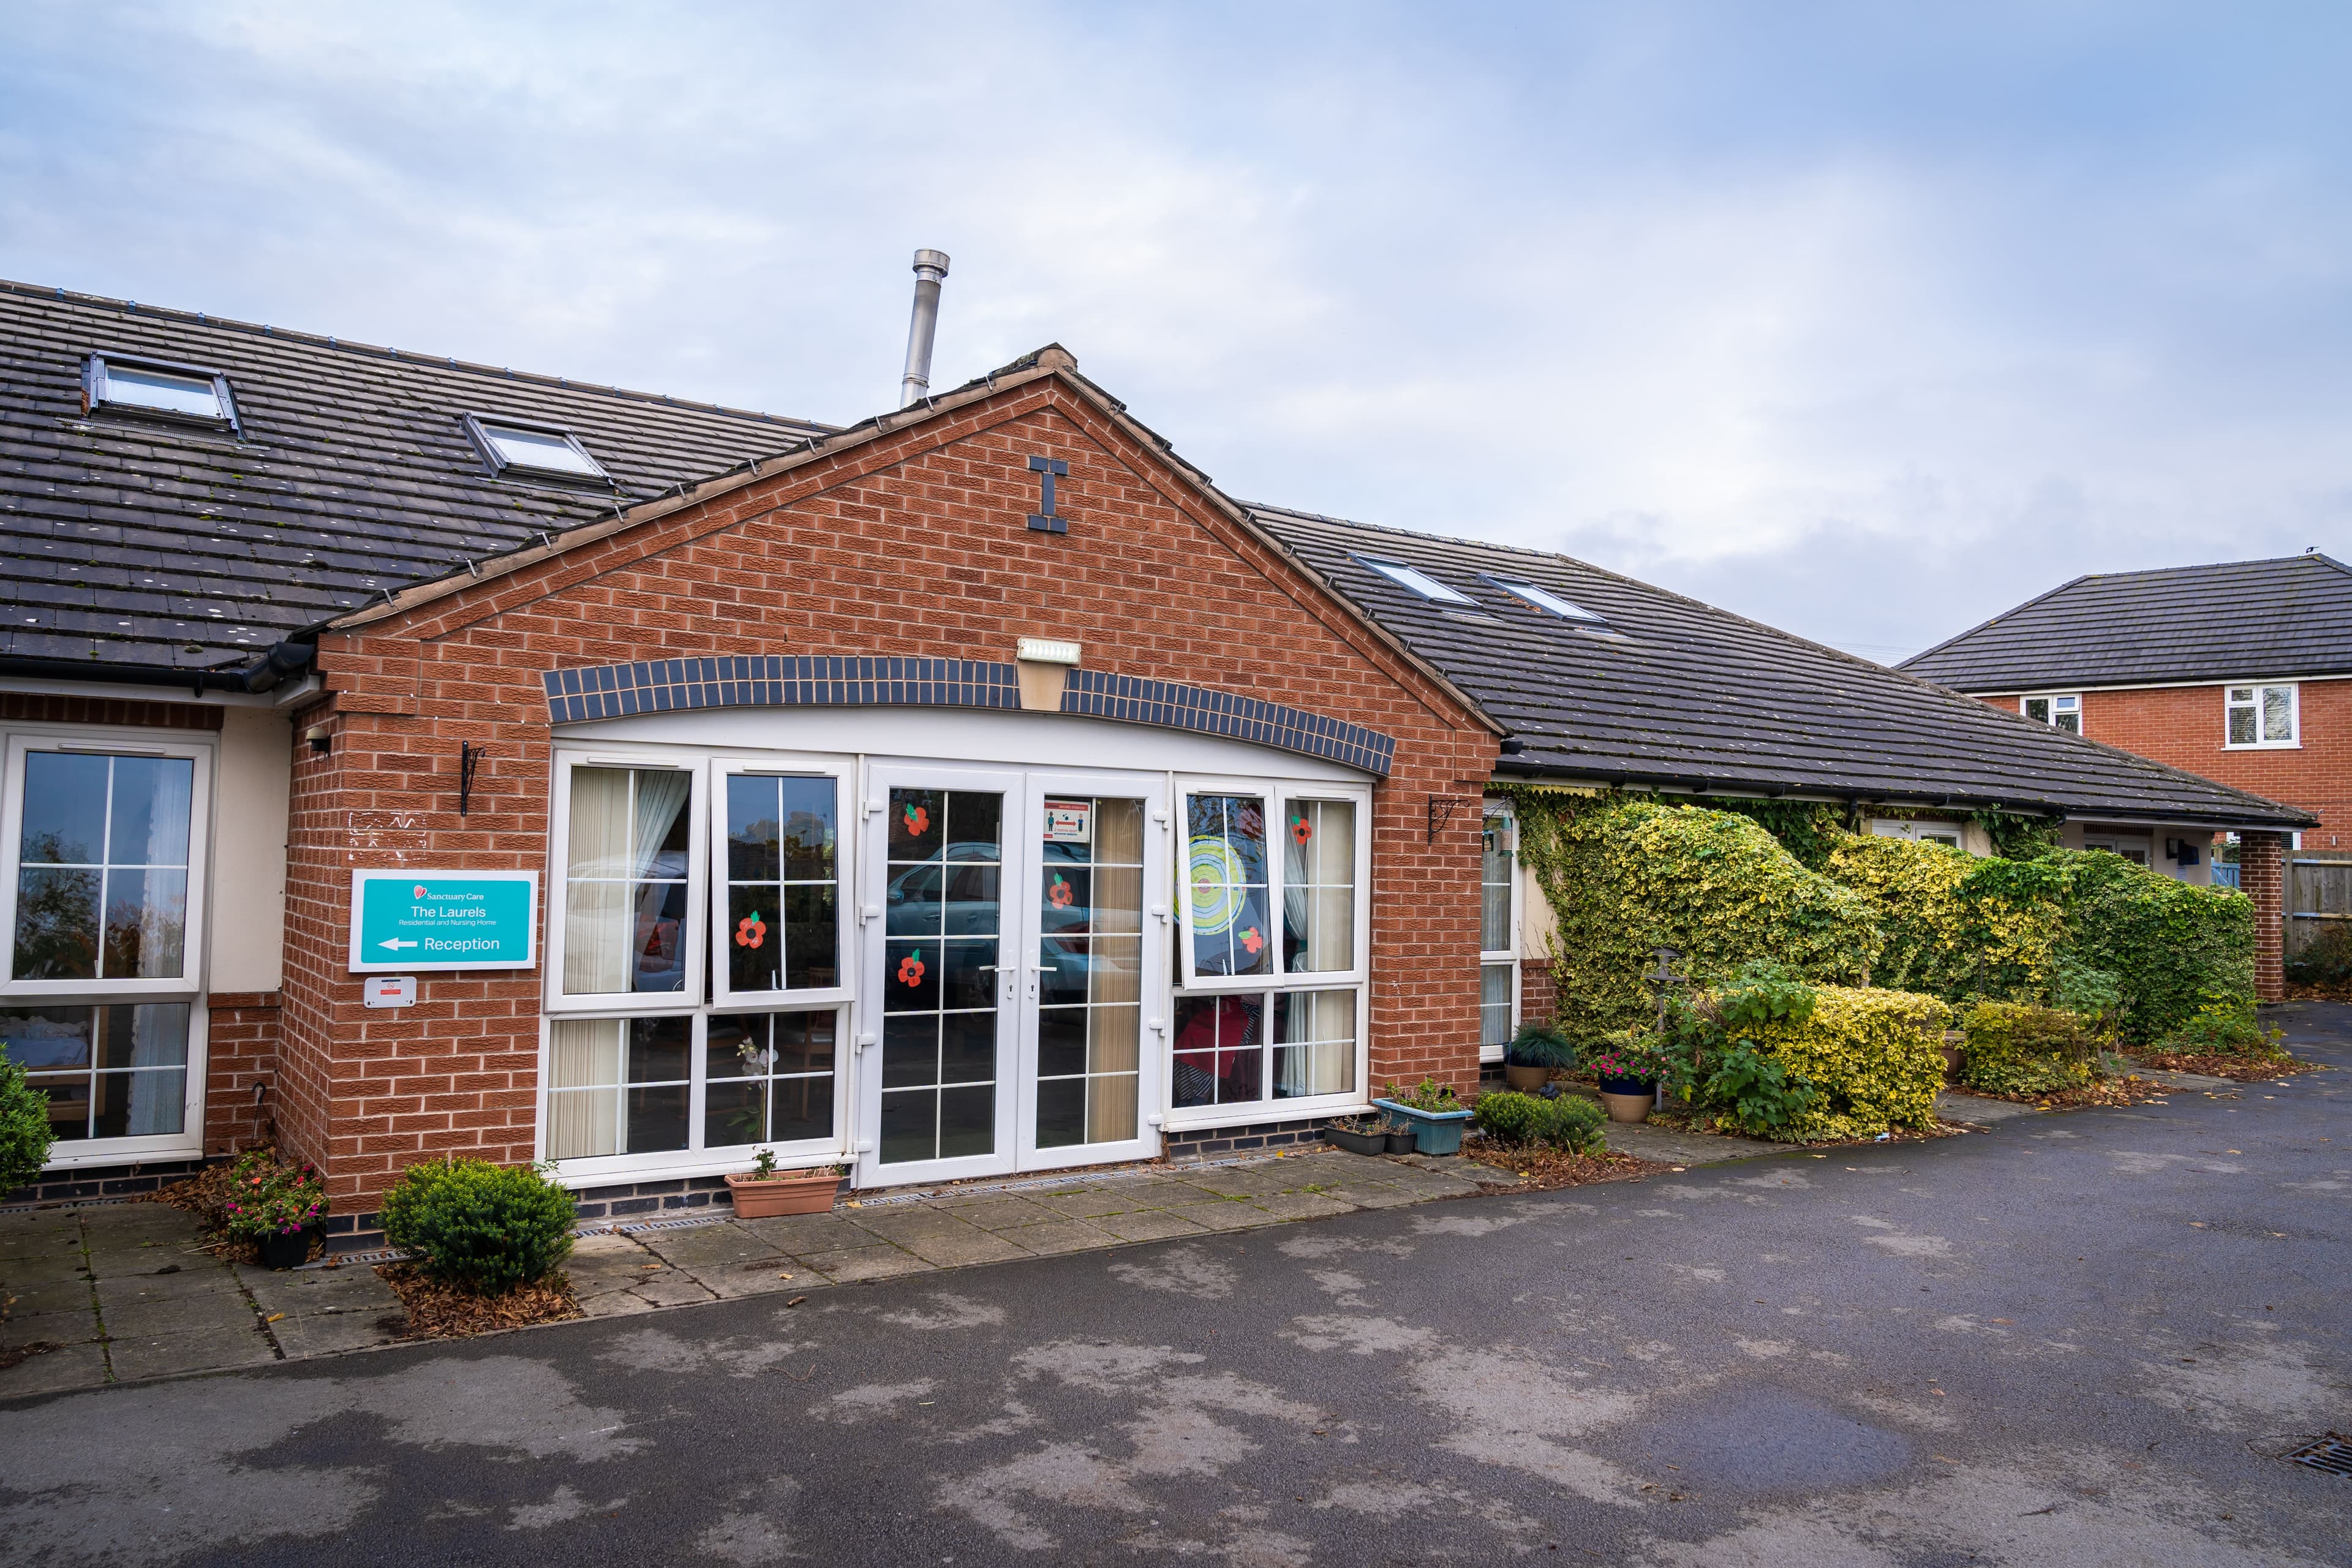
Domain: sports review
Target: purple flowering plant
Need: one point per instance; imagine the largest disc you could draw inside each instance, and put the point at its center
(269, 1198)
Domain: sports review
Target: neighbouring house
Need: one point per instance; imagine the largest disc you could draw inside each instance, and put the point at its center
(2241, 671)
(407, 756)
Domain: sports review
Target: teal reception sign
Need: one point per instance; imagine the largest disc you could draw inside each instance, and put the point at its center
(444, 919)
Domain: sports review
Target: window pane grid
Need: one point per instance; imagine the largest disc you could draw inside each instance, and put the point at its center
(626, 909)
(2261, 715)
(1225, 874)
(782, 931)
(942, 924)
(103, 858)
(1318, 887)
(109, 1070)
(1224, 1055)
(1090, 960)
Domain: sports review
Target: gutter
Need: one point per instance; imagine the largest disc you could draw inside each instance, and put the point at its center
(265, 673)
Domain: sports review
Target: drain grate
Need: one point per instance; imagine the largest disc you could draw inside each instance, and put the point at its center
(2331, 1454)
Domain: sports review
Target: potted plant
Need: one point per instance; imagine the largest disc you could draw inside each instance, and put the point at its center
(1430, 1112)
(1356, 1134)
(1627, 1065)
(1535, 1053)
(281, 1212)
(768, 1190)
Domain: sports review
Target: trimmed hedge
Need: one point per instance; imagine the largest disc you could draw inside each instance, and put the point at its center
(1874, 1058)
(488, 1228)
(2017, 1047)
(1567, 1122)
(1628, 876)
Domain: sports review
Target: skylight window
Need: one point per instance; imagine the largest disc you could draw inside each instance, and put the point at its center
(176, 392)
(1420, 583)
(533, 449)
(1545, 599)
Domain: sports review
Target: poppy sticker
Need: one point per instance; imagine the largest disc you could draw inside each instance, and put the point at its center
(910, 968)
(1251, 941)
(916, 818)
(751, 930)
(1059, 895)
(1301, 830)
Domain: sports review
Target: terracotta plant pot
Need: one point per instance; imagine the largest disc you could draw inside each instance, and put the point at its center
(756, 1199)
(1627, 1107)
(1527, 1080)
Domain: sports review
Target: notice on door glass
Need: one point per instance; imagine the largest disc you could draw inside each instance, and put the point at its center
(1069, 822)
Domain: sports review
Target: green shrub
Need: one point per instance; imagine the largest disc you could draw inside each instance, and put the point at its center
(1540, 1046)
(1428, 1095)
(1754, 1091)
(1873, 1059)
(488, 1228)
(1627, 877)
(2176, 950)
(24, 1133)
(1569, 1122)
(2225, 1032)
(2326, 959)
(2020, 1048)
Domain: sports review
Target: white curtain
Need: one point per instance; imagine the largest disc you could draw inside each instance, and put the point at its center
(661, 795)
(164, 919)
(596, 924)
(583, 1088)
(159, 1038)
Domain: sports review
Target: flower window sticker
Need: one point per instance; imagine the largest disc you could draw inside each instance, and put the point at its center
(1060, 894)
(1253, 941)
(1301, 830)
(910, 968)
(918, 819)
(751, 930)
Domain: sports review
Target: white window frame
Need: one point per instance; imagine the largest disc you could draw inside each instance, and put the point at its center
(2053, 698)
(558, 902)
(1916, 831)
(480, 426)
(1537, 596)
(696, 1159)
(132, 743)
(191, 987)
(1278, 795)
(846, 817)
(2295, 715)
(1415, 581)
(1500, 810)
(97, 395)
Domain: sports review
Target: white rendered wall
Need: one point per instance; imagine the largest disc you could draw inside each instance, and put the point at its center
(246, 923)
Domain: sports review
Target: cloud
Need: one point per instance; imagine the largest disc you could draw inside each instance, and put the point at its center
(1869, 324)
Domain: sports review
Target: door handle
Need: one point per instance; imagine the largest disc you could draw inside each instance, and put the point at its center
(865, 1041)
(870, 912)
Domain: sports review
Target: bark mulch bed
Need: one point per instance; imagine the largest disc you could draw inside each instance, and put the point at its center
(2298, 992)
(2243, 1069)
(2129, 1089)
(1541, 1169)
(437, 1310)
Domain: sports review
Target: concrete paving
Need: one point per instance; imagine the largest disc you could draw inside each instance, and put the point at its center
(2083, 1340)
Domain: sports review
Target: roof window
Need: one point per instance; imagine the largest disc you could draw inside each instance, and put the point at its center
(1545, 599)
(150, 386)
(532, 450)
(1420, 583)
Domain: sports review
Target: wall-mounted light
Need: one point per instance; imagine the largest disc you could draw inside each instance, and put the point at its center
(1043, 665)
(321, 739)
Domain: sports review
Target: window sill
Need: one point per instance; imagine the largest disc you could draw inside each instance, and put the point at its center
(607, 1170)
(77, 1154)
(2262, 745)
(1193, 1118)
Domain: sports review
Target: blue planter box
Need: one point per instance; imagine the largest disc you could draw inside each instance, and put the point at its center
(1433, 1131)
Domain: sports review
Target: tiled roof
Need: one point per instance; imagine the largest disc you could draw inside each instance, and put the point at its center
(1669, 690)
(2242, 619)
(130, 542)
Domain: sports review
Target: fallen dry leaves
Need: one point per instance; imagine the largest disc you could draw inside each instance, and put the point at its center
(2240, 1069)
(439, 1310)
(1546, 1168)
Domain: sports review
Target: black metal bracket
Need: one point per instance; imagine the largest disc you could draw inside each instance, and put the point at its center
(1441, 813)
(1045, 520)
(468, 759)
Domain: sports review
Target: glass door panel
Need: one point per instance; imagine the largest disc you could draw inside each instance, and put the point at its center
(1090, 971)
(941, 1018)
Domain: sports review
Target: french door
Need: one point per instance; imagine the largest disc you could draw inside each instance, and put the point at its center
(1014, 947)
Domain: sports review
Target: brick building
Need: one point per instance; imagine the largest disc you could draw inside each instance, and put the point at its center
(2241, 672)
(407, 756)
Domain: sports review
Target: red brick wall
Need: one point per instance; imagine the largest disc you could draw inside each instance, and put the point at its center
(2262, 877)
(241, 1051)
(2182, 725)
(1538, 992)
(912, 544)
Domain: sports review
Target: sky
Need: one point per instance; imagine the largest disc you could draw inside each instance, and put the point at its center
(1865, 320)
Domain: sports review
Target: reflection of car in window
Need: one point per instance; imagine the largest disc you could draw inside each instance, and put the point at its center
(957, 898)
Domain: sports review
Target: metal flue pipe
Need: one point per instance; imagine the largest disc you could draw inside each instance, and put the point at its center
(930, 269)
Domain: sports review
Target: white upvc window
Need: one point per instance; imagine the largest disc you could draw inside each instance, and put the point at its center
(1274, 932)
(2257, 715)
(101, 899)
(697, 962)
(1498, 932)
(2059, 710)
(1950, 835)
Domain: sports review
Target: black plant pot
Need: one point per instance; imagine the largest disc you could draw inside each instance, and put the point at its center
(1628, 1085)
(1400, 1139)
(1356, 1142)
(286, 1248)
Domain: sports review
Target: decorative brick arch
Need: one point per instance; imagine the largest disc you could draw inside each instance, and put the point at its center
(788, 681)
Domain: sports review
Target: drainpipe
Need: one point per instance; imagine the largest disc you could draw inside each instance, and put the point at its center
(930, 271)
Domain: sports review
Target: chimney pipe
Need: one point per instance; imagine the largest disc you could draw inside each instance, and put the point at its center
(930, 268)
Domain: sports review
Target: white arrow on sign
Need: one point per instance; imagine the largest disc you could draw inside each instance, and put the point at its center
(394, 943)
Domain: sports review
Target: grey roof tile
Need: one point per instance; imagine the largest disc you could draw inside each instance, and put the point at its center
(2187, 624)
(1674, 691)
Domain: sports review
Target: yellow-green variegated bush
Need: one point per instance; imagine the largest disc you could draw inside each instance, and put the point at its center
(1875, 1058)
(1628, 876)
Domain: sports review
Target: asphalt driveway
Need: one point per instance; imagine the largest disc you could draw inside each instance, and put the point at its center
(2077, 1341)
